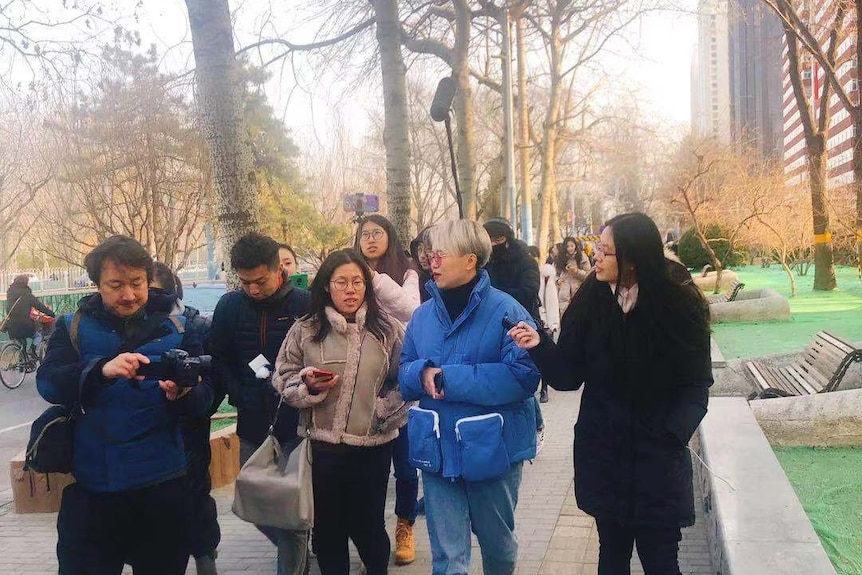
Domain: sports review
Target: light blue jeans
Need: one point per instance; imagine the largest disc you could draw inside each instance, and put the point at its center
(487, 508)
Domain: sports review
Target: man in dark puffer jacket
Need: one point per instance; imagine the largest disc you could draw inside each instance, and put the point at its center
(247, 323)
(129, 500)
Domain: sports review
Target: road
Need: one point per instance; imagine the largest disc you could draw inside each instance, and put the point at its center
(18, 407)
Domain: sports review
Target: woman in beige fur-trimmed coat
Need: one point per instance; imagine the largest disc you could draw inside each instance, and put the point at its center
(339, 366)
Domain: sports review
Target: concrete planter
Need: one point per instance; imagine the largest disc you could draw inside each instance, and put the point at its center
(757, 305)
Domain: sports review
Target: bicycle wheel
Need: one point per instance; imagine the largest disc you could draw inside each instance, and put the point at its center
(13, 365)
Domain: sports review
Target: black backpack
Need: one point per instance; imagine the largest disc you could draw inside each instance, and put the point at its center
(52, 434)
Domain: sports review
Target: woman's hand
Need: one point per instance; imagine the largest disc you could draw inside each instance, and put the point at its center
(173, 391)
(428, 382)
(319, 383)
(525, 336)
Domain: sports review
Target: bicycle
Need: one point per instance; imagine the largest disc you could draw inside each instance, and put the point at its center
(16, 361)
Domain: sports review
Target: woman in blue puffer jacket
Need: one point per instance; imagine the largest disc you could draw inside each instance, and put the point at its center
(474, 424)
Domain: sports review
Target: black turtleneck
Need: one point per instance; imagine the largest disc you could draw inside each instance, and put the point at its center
(455, 299)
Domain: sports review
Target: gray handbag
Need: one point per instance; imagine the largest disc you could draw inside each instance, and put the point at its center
(274, 488)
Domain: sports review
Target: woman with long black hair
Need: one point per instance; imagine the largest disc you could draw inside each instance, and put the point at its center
(639, 344)
(339, 365)
(573, 267)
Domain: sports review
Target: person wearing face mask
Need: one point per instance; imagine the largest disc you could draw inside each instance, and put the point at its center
(475, 422)
(339, 366)
(637, 339)
(396, 290)
(129, 501)
(512, 269)
(249, 324)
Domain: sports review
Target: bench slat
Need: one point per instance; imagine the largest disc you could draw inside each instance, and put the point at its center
(785, 382)
(809, 387)
(837, 342)
(810, 375)
(754, 368)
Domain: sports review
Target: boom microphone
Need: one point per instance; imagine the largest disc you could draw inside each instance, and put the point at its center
(443, 99)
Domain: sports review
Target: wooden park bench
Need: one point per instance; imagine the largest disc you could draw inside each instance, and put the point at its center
(819, 369)
(732, 291)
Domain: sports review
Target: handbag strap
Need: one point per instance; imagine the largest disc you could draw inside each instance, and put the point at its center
(275, 417)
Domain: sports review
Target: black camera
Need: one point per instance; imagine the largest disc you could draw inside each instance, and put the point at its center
(177, 366)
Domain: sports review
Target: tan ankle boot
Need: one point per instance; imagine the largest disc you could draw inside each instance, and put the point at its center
(405, 546)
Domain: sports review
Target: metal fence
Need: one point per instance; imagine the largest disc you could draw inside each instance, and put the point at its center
(49, 280)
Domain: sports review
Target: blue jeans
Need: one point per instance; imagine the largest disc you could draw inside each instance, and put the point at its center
(406, 478)
(292, 546)
(487, 508)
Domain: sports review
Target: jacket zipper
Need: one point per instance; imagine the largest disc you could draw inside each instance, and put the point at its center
(263, 331)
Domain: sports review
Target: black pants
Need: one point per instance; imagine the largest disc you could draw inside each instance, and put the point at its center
(99, 532)
(204, 532)
(657, 548)
(349, 502)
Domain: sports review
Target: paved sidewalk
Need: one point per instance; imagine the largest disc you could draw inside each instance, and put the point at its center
(555, 537)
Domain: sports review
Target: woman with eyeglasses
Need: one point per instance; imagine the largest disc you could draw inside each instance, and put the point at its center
(638, 342)
(475, 422)
(396, 283)
(339, 365)
(396, 287)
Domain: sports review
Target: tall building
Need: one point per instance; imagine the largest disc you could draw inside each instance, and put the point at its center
(839, 144)
(710, 73)
(755, 43)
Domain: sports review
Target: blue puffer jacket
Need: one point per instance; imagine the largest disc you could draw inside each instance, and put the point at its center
(129, 434)
(484, 372)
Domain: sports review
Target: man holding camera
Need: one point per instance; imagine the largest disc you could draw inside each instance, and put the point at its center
(128, 502)
(247, 330)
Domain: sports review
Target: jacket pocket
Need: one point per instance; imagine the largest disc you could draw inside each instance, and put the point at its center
(482, 447)
(423, 428)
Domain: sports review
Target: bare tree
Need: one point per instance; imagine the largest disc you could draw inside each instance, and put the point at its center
(221, 119)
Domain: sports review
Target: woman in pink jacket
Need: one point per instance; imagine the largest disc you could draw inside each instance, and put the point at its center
(396, 289)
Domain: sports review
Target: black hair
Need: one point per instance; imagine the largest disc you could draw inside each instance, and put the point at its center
(123, 251)
(254, 250)
(499, 228)
(639, 252)
(321, 298)
(287, 247)
(168, 281)
(21, 280)
(394, 262)
(553, 260)
(533, 251)
(563, 254)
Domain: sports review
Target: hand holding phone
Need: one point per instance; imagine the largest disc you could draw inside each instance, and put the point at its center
(319, 380)
(508, 322)
(321, 373)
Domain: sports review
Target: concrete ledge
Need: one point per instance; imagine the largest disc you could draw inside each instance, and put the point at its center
(758, 526)
(706, 283)
(821, 420)
(41, 493)
(757, 305)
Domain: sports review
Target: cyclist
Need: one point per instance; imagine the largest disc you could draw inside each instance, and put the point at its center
(19, 301)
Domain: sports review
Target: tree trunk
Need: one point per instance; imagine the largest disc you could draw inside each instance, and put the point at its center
(824, 270)
(857, 177)
(524, 137)
(549, 143)
(395, 123)
(464, 106)
(219, 102)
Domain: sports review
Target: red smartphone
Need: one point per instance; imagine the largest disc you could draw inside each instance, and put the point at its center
(321, 373)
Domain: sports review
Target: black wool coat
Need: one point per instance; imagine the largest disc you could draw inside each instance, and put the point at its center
(646, 387)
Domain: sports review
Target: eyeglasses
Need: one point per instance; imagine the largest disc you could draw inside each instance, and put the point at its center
(600, 250)
(436, 257)
(372, 234)
(341, 284)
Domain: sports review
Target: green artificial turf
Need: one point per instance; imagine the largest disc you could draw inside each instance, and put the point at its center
(218, 424)
(829, 486)
(839, 312)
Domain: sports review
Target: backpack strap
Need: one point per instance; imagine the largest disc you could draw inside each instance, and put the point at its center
(181, 329)
(73, 330)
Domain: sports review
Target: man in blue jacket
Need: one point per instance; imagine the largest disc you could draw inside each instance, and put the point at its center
(248, 323)
(475, 424)
(128, 502)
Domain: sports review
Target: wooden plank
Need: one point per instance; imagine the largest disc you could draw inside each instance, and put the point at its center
(754, 368)
(801, 381)
(813, 372)
(791, 381)
(812, 376)
(838, 342)
(783, 382)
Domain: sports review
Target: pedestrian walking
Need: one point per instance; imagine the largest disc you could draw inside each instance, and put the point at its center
(472, 383)
(396, 289)
(339, 366)
(638, 342)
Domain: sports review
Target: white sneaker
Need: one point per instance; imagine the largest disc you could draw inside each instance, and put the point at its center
(540, 440)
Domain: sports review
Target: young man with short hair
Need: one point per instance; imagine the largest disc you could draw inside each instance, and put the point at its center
(248, 323)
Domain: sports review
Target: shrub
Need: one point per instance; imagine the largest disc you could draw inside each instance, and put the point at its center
(693, 254)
